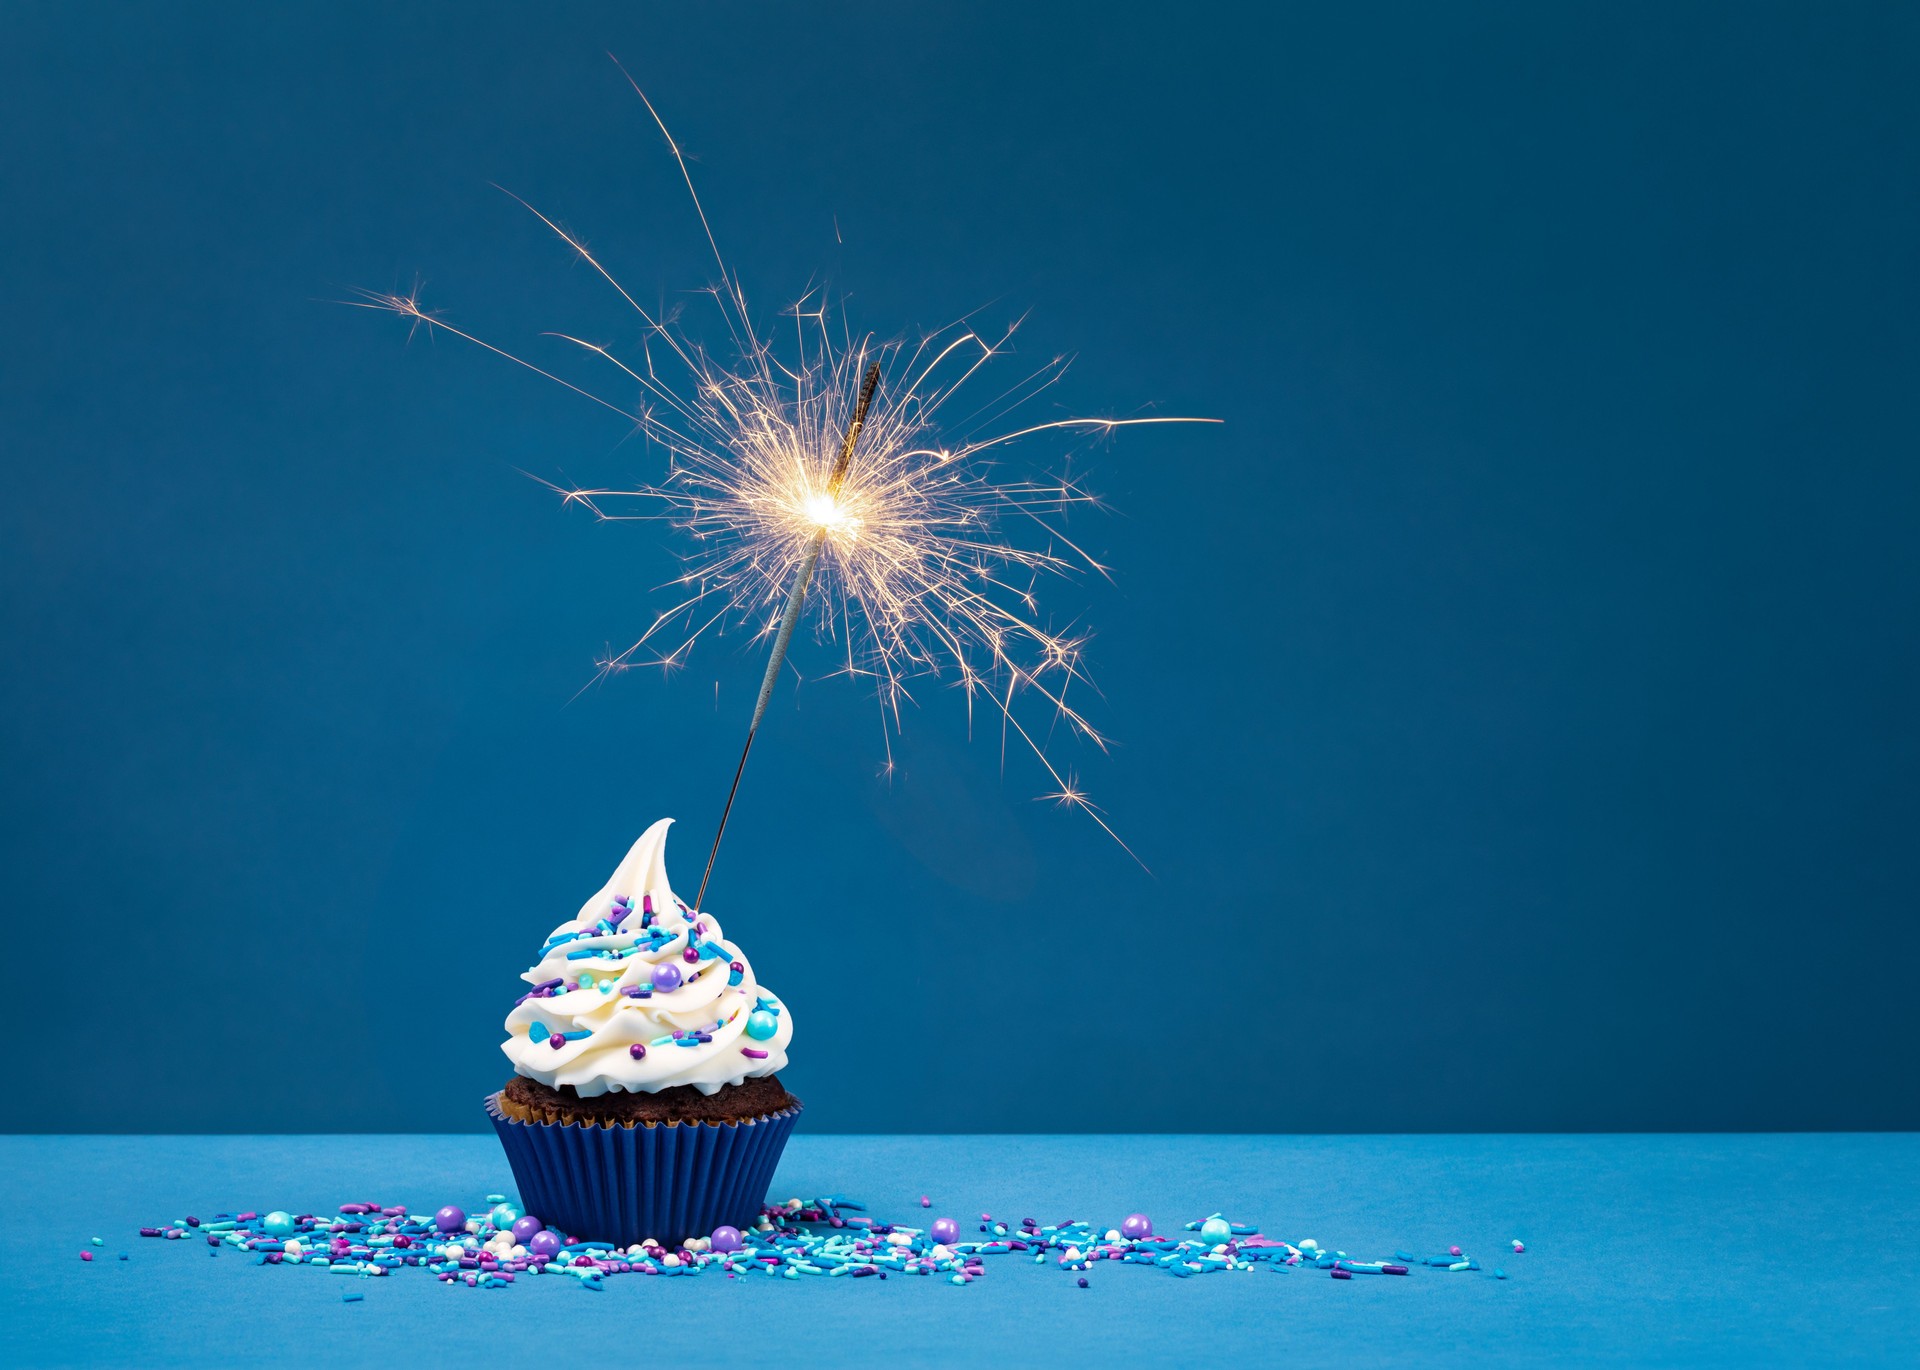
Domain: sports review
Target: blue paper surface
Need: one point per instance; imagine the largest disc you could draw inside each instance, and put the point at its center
(1642, 1250)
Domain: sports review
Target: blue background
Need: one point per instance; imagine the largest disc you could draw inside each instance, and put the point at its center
(1514, 699)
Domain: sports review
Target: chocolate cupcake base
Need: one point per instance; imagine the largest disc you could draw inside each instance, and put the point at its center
(601, 1169)
(529, 1101)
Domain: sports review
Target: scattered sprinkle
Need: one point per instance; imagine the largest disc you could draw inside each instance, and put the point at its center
(831, 1236)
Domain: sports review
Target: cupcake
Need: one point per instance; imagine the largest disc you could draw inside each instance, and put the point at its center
(645, 1100)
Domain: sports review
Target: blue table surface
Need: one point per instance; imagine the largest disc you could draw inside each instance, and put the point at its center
(1642, 1250)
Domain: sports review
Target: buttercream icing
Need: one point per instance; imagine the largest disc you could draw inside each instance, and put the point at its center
(639, 992)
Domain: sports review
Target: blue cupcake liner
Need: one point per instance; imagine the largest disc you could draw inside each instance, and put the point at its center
(625, 1184)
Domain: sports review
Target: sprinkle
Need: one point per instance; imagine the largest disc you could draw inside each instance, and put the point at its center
(754, 1052)
(824, 1237)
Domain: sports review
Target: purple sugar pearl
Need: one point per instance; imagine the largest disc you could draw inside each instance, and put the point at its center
(525, 1228)
(545, 1245)
(450, 1219)
(946, 1231)
(637, 1051)
(1137, 1227)
(666, 977)
(726, 1239)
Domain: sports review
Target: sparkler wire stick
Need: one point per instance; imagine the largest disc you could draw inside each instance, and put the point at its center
(796, 598)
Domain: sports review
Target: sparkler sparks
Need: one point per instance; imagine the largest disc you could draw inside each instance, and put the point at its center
(927, 556)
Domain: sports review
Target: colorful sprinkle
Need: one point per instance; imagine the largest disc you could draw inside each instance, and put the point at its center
(830, 1236)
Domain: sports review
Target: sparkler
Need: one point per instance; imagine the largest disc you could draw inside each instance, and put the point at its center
(915, 548)
(795, 598)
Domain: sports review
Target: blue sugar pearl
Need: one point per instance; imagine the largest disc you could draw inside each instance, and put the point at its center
(1215, 1231)
(761, 1025)
(278, 1224)
(503, 1216)
(537, 1033)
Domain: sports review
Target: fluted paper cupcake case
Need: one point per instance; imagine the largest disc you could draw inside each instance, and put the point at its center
(626, 1184)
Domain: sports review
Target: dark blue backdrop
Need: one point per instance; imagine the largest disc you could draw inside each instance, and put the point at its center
(1514, 699)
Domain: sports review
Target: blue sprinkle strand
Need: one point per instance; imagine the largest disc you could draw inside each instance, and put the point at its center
(827, 1237)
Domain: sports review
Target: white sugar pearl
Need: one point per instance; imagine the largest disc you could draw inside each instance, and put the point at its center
(672, 1262)
(1113, 1234)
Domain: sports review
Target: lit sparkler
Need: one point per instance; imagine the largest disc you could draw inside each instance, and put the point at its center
(926, 557)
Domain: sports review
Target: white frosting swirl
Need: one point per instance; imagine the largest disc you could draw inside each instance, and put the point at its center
(595, 990)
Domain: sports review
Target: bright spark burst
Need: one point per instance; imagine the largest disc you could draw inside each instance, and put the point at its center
(932, 556)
